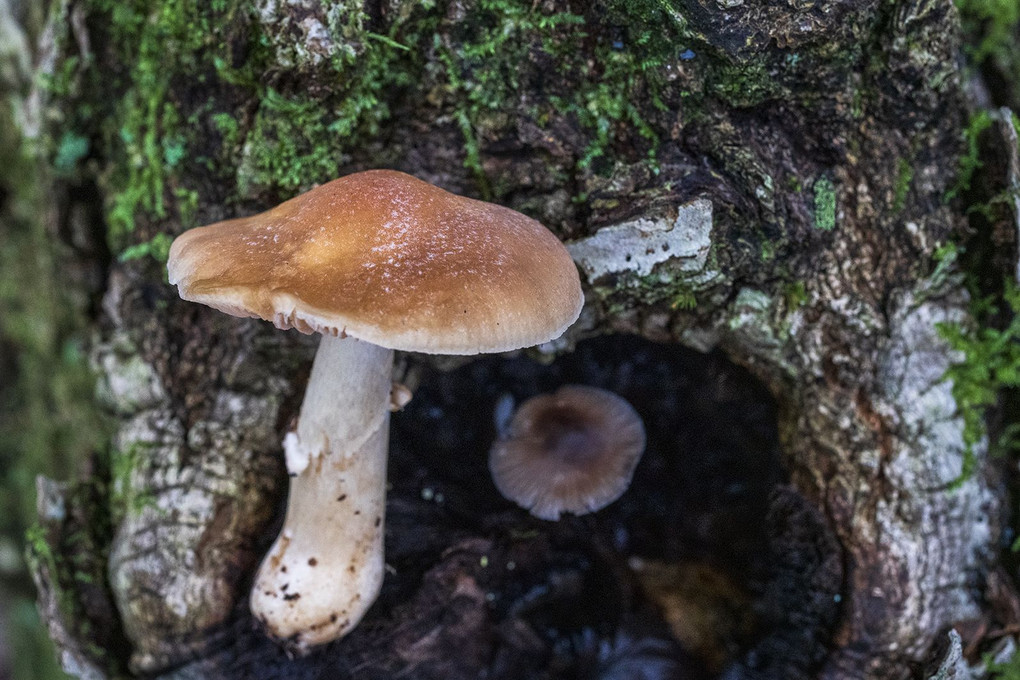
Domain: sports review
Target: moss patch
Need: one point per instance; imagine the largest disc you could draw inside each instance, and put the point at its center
(592, 66)
(743, 85)
(991, 25)
(991, 364)
(69, 549)
(182, 70)
(48, 423)
(825, 204)
(904, 178)
(970, 160)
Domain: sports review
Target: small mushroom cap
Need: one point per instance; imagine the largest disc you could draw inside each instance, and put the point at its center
(390, 259)
(571, 451)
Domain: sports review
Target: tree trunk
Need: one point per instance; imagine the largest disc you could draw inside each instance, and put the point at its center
(771, 180)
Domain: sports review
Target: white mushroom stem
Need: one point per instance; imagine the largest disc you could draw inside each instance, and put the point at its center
(326, 566)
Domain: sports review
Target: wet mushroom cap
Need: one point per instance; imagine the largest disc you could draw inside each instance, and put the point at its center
(389, 259)
(571, 451)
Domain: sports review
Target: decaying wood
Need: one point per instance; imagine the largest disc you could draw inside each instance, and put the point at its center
(859, 548)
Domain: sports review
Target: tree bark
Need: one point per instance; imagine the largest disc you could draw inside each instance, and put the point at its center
(788, 163)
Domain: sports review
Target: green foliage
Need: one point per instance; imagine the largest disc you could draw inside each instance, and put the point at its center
(994, 22)
(991, 363)
(158, 248)
(1006, 670)
(970, 161)
(825, 204)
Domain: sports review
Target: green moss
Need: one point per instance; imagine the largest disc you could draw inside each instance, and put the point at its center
(825, 204)
(987, 377)
(683, 298)
(481, 67)
(152, 131)
(181, 77)
(158, 248)
(228, 127)
(72, 550)
(904, 178)
(43, 558)
(589, 76)
(993, 24)
(795, 295)
(124, 498)
(1006, 670)
(662, 287)
(970, 162)
(297, 139)
(130, 113)
(145, 120)
(990, 363)
(71, 149)
(631, 70)
(285, 148)
(743, 84)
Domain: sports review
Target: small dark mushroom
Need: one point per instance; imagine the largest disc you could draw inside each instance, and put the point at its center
(571, 451)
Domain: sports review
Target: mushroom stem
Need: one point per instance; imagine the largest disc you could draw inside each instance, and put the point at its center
(326, 566)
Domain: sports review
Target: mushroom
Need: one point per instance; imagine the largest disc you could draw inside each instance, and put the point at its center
(571, 451)
(374, 261)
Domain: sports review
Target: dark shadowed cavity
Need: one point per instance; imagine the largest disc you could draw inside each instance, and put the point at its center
(709, 566)
(701, 489)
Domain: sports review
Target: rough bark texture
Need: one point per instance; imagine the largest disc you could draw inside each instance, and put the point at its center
(791, 159)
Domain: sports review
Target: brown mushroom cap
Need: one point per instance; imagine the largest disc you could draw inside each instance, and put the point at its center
(390, 259)
(571, 451)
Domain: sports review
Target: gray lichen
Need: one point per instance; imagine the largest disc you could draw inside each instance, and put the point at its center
(640, 244)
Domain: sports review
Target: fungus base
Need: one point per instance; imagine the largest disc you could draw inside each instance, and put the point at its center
(326, 566)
